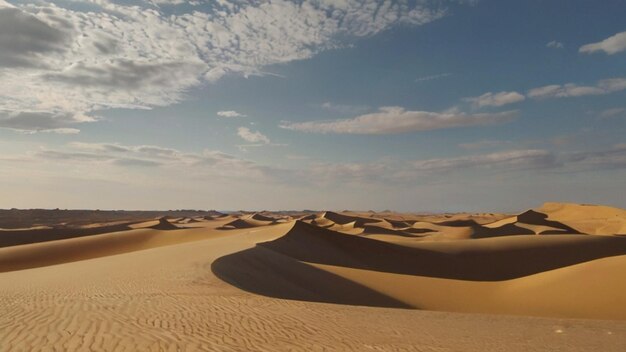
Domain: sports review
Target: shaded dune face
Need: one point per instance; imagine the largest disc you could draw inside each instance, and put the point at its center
(265, 272)
(537, 218)
(345, 219)
(249, 221)
(467, 260)
(261, 217)
(237, 224)
(164, 224)
(550, 219)
(530, 222)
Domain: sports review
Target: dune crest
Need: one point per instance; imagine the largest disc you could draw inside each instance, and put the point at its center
(587, 218)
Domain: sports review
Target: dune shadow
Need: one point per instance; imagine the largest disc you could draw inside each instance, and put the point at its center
(537, 218)
(479, 231)
(412, 233)
(281, 269)
(262, 271)
(165, 225)
(343, 219)
(492, 259)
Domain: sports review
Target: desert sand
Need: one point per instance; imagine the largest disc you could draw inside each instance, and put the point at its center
(548, 279)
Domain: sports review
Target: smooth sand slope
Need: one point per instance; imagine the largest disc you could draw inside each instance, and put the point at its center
(273, 286)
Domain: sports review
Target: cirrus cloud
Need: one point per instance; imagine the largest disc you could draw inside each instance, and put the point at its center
(569, 90)
(495, 99)
(395, 119)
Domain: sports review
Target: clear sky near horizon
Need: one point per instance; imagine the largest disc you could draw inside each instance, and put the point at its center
(406, 105)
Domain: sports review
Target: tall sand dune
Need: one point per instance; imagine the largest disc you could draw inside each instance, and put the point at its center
(464, 260)
(464, 272)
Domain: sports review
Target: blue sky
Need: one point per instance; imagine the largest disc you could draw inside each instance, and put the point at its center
(369, 104)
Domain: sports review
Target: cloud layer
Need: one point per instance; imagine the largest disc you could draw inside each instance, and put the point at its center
(390, 120)
(496, 99)
(569, 90)
(62, 59)
(127, 157)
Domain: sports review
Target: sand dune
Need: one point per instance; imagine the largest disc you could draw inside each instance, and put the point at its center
(215, 216)
(387, 268)
(464, 260)
(249, 221)
(261, 217)
(26, 236)
(260, 281)
(165, 224)
(345, 219)
(101, 245)
(556, 293)
(166, 298)
(590, 219)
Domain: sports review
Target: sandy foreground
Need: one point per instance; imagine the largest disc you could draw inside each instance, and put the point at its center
(551, 279)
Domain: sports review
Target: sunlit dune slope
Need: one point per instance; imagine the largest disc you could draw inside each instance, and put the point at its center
(69, 250)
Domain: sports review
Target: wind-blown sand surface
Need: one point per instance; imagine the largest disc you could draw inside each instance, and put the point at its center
(547, 279)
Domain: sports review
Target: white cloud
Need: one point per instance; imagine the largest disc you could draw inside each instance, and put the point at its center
(611, 45)
(605, 86)
(230, 113)
(496, 99)
(252, 137)
(389, 120)
(555, 45)
(65, 61)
